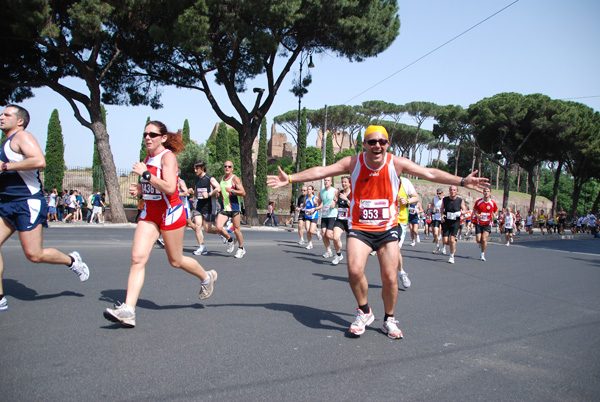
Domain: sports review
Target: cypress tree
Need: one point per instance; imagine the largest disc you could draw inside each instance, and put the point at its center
(261, 168)
(186, 132)
(143, 151)
(302, 141)
(97, 173)
(222, 144)
(329, 154)
(359, 145)
(55, 154)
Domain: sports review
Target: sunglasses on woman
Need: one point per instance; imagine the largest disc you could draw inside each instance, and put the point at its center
(152, 135)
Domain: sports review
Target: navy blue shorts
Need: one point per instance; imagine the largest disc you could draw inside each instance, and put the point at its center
(25, 215)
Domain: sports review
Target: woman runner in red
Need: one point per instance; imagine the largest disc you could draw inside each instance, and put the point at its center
(163, 214)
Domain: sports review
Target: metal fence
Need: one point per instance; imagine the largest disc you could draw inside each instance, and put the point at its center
(82, 179)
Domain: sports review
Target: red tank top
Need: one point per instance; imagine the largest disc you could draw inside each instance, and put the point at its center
(374, 205)
(153, 197)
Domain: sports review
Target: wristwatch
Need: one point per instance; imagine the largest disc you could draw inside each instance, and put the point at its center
(146, 175)
(462, 182)
(4, 167)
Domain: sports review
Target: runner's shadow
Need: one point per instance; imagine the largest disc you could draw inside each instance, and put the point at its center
(22, 292)
(114, 296)
(326, 277)
(307, 316)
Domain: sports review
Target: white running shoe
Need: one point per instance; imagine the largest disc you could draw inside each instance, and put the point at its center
(241, 252)
(373, 252)
(361, 320)
(231, 245)
(336, 260)
(160, 242)
(482, 257)
(328, 254)
(418, 239)
(207, 290)
(451, 259)
(79, 267)
(507, 244)
(223, 239)
(201, 250)
(437, 250)
(319, 235)
(404, 279)
(390, 328)
(301, 242)
(3, 304)
(444, 250)
(122, 314)
(413, 244)
(309, 246)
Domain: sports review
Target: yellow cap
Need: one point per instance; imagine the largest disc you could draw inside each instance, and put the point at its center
(376, 129)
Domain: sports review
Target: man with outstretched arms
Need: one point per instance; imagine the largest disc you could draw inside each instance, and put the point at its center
(373, 217)
(328, 201)
(207, 188)
(484, 210)
(23, 207)
(452, 208)
(231, 191)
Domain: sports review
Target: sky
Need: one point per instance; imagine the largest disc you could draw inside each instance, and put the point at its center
(448, 52)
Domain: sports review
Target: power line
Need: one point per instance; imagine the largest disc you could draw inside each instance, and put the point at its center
(434, 50)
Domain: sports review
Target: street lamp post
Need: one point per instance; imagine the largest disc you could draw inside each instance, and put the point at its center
(300, 92)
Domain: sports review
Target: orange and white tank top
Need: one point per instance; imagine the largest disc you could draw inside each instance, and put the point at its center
(153, 197)
(374, 205)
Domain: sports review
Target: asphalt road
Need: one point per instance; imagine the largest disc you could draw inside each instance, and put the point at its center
(522, 326)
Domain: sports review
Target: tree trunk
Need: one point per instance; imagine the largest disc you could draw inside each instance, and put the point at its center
(247, 136)
(506, 168)
(498, 177)
(530, 181)
(474, 160)
(456, 159)
(577, 186)
(117, 211)
(527, 183)
(555, 188)
(518, 179)
(537, 178)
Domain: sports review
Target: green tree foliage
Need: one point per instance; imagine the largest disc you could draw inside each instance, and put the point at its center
(222, 145)
(262, 194)
(55, 154)
(143, 150)
(359, 143)
(186, 159)
(343, 154)
(314, 157)
(198, 43)
(302, 142)
(233, 139)
(285, 163)
(329, 154)
(420, 111)
(45, 42)
(186, 132)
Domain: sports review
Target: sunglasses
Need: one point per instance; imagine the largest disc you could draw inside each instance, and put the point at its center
(152, 135)
(227, 166)
(381, 141)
